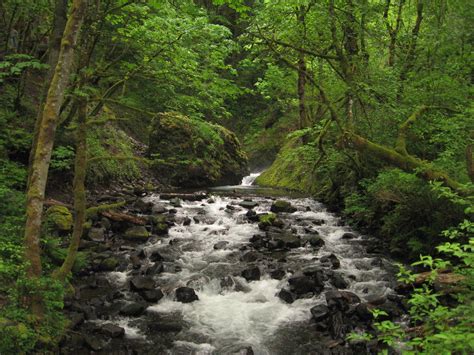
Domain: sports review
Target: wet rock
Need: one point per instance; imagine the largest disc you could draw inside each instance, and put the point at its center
(250, 256)
(221, 245)
(165, 327)
(160, 224)
(248, 204)
(94, 343)
(186, 295)
(331, 260)
(341, 300)
(133, 309)
(175, 202)
(286, 296)
(186, 221)
(156, 256)
(303, 284)
(320, 312)
(143, 207)
(349, 235)
(252, 216)
(282, 206)
(109, 264)
(96, 234)
(319, 222)
(363, 312)
(159, 209)
(204, 219)
(112, 330)
(316, 242)
(258, 241)
(227, 282)
(251, 274)
(337, 280)
(278, 274)
(154, 269)
(137, 233)
(152, 295)
(75, 320)
(142, 283)
(338, 326)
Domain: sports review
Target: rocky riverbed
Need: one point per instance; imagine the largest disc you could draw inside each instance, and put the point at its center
(238, 273)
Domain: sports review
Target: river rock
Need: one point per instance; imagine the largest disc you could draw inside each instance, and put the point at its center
(154, 269)
(175, 202)
(341, 300)
(302, 284)
(133, 309)
(137, 233)
(186, 295)
(282, 206)
(331, 260)
(221, 245)
(251, 256)
(278, 274)
(142, 206)
(319, 312)
(109, 264)
(349, 235)
(316, 242)
(337, 280)
(94, 343)
(159, 209)
(286, 296)
(155, 256)
(112, 330)
(142, 283)
(252, 216)
(251, 274)
(152, 295)
(96, 234)
(248, 204)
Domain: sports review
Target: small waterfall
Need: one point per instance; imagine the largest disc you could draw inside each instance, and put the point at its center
(249, 179)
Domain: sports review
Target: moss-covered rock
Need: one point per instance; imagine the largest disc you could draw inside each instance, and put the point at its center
(292, 169)
(59, 218)
(137, 233)
(160, 225)
(194, 153)
(282, 206)
(109, 264)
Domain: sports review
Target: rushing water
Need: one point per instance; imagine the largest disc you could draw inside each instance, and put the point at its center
(250, 179)
(231, 313)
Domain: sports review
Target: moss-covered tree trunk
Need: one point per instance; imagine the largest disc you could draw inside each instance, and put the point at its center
(59, 24)
(80, 168)
(45, 142)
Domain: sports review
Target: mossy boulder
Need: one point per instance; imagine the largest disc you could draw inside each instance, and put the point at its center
(59, 219)
(137, 233)
(282, 206)
(193, 153)
(160, 225)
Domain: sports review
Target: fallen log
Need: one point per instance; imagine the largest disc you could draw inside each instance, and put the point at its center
(124, 217)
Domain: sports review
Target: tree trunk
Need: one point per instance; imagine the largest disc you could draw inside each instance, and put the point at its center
(410, 57)
(301, 91)
(54, 46)
(45, 142)
(80, 168)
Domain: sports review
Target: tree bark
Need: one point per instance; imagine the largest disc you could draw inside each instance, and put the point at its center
(45, 142)
(393, 31)
(80, 169)
(54, 47)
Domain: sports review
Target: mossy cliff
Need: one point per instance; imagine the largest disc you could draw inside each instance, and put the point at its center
(188, 152)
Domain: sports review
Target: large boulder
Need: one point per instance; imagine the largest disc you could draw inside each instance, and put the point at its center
(59, 218)
(195, 153)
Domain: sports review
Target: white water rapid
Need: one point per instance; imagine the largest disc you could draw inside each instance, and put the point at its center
(234, 314)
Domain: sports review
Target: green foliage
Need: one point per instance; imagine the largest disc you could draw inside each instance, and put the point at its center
(14, 65)
(443, 325)
(62, 159)
(103, 146)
